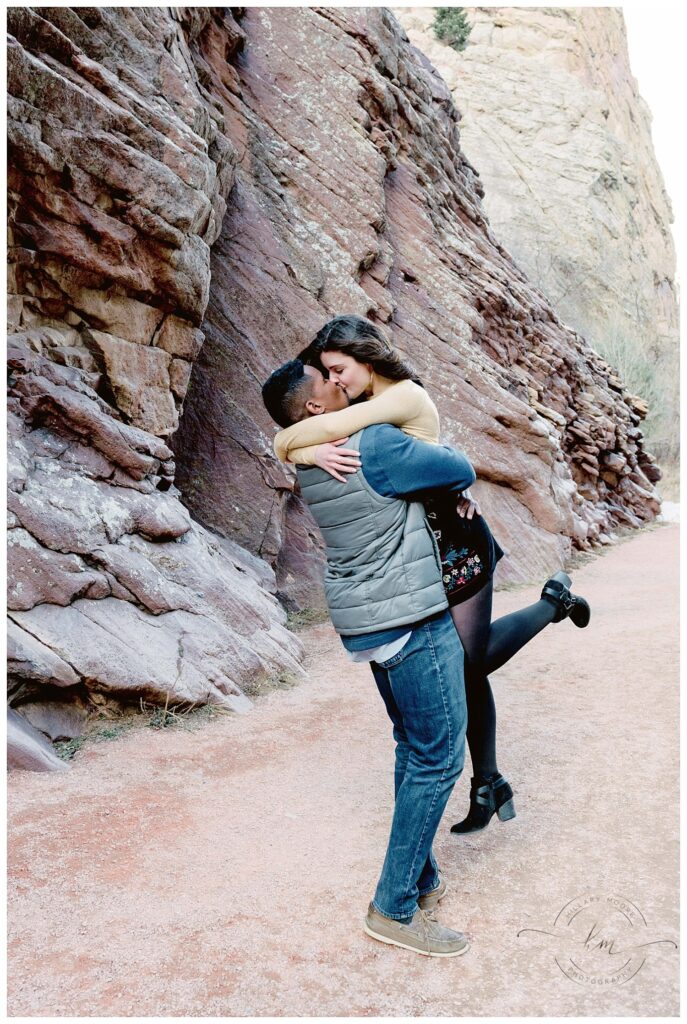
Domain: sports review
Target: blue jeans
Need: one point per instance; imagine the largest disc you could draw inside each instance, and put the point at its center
(423, 688)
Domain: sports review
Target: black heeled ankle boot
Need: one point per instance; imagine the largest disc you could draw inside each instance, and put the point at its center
(487, 797)
(557, 591)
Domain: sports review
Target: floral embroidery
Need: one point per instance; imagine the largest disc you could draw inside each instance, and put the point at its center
(459, 565)
(458, 571)
(451, 556)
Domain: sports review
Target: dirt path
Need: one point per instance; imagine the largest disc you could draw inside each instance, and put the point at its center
(226, 872)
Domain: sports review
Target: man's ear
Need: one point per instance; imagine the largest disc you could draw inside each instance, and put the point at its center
(313, 408)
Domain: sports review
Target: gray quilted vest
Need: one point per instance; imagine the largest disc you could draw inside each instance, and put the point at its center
(383, 566)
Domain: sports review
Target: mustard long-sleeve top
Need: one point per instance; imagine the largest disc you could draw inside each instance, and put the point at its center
(402, 403)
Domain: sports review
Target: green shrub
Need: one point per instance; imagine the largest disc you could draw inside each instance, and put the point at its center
(451, 26)
(67, 748)
(306, 617)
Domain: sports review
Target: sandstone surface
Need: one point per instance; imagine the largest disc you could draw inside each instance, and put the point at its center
(553, 120)
(359, 198)
(117, 184)
(28, 748)
(188, 204)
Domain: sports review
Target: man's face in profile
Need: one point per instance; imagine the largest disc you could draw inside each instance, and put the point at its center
(326, 395)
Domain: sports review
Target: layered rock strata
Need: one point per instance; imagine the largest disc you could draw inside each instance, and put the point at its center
(181, 173)
(553, 119)
(352, 194)
(118, 174)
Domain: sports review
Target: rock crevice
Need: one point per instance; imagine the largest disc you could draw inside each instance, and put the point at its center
(119, 172)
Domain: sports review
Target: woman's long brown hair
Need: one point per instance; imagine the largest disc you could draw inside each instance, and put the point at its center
(359, 338)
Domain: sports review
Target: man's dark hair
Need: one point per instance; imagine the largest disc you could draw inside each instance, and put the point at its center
(286, 391)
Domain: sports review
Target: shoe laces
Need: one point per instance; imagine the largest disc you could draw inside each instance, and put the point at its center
(428, 919)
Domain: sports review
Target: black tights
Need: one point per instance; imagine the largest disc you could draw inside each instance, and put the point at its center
(487, 646)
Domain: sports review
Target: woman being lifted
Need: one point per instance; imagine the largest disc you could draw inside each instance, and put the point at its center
(354, 353)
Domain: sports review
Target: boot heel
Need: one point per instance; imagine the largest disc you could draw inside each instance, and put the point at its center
(486, 800)
(506, 811)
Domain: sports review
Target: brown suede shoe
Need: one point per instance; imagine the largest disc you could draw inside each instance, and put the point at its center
(423, 934)
(430, 899)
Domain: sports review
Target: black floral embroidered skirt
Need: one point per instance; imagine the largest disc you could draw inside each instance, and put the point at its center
(469, 551)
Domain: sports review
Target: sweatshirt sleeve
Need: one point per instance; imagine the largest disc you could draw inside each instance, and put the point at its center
(397, 465)
(302, 456)
(397, 405)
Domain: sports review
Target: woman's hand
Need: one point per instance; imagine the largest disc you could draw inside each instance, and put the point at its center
(337, 460)
(467, 507)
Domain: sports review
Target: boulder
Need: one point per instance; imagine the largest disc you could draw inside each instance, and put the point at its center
(28, 748)
(55, 719)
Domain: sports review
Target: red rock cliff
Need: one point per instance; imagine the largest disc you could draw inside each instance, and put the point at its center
(352, 194)
(193, 192)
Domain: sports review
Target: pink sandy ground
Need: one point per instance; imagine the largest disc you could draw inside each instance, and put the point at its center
(226, 871)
